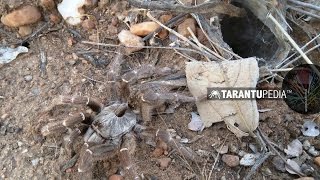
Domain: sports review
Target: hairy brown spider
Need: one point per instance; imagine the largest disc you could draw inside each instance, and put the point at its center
(110, 130)
(105, 134)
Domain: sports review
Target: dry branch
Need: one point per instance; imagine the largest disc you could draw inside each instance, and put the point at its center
(208, 7)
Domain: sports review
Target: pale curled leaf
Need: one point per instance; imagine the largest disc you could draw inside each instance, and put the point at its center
(242, 116)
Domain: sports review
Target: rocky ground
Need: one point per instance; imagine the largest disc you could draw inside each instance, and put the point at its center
(30, 87)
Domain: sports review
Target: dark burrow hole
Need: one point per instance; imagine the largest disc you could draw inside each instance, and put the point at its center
(26, 44)
(248, 36)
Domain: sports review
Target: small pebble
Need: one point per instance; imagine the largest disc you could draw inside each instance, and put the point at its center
(266, 171)
(144, 28)
(305, 178)
(223, 178)
(3, 130)
(313, 151)
(307, 169)
(28, 78)
(222, 149)
(279, 164)
(20, 143)
(288, 118)
(25, 30)
(88, 24)
(55, 18)
(114, 21)
(128, 39)
(157, 152)
(231, 160)
(248, 160)
(22, 16)
(35, 162)
(234, 149)
(306, 145)
(48, 4)
(4, 116)
(164, 162)
(115, 177)
(242, 153)
(317, 161)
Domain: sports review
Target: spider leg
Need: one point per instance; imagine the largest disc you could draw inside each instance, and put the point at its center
(95, 153)
(184, 151)
(153, 100)
(126, 152)
(61, 126)
(95, 105)
(71, 137)
(145, 71)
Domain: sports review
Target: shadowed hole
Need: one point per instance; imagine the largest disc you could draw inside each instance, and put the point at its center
(248, 36)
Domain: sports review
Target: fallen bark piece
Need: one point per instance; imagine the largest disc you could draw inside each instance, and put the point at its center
(128, 39)
(242, 116)
(144, 28)
(23, 16)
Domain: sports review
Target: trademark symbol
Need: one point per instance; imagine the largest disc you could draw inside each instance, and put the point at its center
(289, 91)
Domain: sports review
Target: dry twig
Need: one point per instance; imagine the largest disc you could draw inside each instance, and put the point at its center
(208, 7)
(304, 4)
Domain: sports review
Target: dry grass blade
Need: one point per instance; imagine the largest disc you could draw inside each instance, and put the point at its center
(293, 43)
(151, 47)
(208, 52)
(304, 12)
(304, 4)
(302, 48)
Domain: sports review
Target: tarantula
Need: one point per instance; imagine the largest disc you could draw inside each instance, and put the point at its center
(112, 126)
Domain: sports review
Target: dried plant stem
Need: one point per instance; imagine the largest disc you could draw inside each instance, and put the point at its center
(169, 24)
(153, 47)
(303, 12)
(266, 139)
(297, 58)
(253, 170)
(302, 48)
(293, 43)
(216, 160)
(206, 50)
(303, 4)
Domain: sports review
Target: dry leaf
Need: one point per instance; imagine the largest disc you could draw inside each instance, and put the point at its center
(241, 116)
(294, 167)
